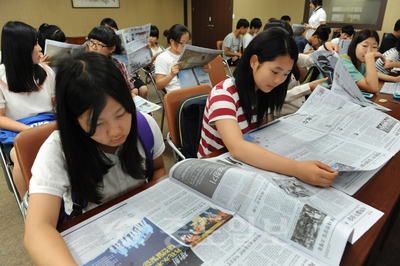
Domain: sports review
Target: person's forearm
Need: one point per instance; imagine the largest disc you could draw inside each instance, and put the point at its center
(297, 92)
(46, 246)
(164, 81)
(259, 157)
(371, 77)
(232, 54)
(391, 64)
(387, 78)
(12, 125)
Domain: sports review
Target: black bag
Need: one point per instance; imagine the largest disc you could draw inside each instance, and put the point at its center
(189, 119)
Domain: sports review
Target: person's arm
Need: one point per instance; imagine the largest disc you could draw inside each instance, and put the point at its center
(162, 80)
(388, 78)
(207, 68)
(370, 83)
(303, 90)
(311, 172)
(43, 242)
(10, 124)
(389, 64)
(154, 57)
(158, 166)
(229, 53)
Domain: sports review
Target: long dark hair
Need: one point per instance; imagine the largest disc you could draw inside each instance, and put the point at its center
(51, 32)
(107, 36)
(267, 45)
(360, 36)
(84, 82)
(17, 43)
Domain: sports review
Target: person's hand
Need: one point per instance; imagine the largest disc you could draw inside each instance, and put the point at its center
(43, 60)
(317, 82)
(175, 68)
(306, 26)
(148, 46)
(207, 68)
(316, 173)
(235, 58)
(302, 37)
(397, 79)
(332, 47)
(376, 56)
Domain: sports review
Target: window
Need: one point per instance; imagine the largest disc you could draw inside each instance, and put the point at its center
(361, 13)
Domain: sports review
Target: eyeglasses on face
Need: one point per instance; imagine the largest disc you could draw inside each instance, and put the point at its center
(183, 44)
(97, 45)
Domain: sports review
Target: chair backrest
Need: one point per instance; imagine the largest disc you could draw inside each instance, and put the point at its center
(27, 144)
(171, 104)
(219, 44)
(217, 72)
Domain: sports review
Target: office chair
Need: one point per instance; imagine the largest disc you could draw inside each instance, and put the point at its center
(172, 101)
(27, 144)
(217, 72)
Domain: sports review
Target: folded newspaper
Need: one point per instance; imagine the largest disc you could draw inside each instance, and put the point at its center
(144, 105)
(211, 212)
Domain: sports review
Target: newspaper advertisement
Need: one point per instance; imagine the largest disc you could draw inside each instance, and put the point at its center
(263, 205)
(144, 105)
(135, 40)
(119, 236)
(59, 50)
(333, 202)
(390, 88)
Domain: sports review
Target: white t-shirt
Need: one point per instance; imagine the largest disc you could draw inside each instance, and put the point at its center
(335, 41)
(49, 172)
(247, 39)
(163, 66)
(22, 105)
(317, 16)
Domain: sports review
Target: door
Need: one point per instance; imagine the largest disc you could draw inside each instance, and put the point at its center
(211, 21)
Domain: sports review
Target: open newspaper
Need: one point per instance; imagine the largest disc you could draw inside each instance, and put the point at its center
(212, 212)
(298, 29)
(144, 105)
(59, 50)
(136, 54)
(192, 59)
(344, 46)
(340, 80)
(337, 132)
(390, 88)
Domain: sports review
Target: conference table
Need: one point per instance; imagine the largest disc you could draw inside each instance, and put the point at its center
(381, 192)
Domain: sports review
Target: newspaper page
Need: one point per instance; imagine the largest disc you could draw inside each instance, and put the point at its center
(59, 50)
(335, 203)
(344, 46)
(135, 40)
(263, 205)
(326, 62)
(194, 56)
(120, 236)
(298, 29)
(344, 85)
(144, 105)
(390, 88)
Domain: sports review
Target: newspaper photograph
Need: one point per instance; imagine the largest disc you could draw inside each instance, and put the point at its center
(298, 29)
(144, 105)
(59, 50)
(326, 62)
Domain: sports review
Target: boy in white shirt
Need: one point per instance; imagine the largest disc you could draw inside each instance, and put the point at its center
(255, 26)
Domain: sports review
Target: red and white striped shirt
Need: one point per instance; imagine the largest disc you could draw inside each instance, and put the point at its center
(222, 103)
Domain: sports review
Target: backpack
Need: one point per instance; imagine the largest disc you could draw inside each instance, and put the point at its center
(147, 140)
(189, 119)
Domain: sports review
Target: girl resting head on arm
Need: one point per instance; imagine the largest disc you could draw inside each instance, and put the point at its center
(236, 106)
(360, 61)
(95, 154)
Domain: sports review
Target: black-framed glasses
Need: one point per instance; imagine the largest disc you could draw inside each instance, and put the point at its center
(183, 44)
(97, 45)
